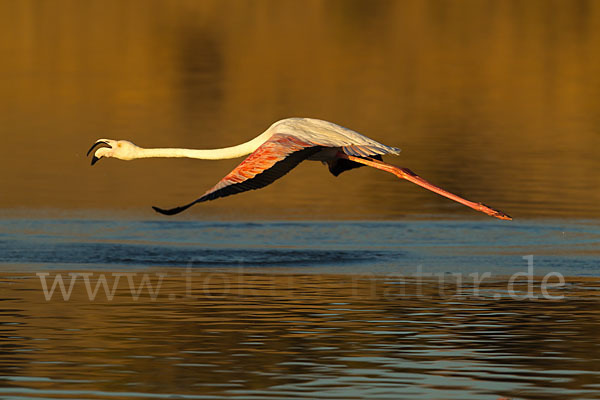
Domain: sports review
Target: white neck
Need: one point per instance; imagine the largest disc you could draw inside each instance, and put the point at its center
(212, 154)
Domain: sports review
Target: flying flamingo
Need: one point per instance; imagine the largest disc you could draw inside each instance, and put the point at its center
(279, 149)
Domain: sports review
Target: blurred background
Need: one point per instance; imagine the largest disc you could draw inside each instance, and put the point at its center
(498, 101)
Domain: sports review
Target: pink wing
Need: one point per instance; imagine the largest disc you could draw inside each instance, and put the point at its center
(273, 159)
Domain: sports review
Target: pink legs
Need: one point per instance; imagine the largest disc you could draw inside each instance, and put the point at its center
(405, 173)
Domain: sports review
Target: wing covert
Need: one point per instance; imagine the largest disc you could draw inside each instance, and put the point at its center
(269, 162)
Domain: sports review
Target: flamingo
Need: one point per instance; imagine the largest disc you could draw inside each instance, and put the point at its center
(279, 149)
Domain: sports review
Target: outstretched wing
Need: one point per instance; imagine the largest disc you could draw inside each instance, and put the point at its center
(273, 159)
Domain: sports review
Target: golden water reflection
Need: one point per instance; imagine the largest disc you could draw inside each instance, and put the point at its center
(495, 100)
(255, 335)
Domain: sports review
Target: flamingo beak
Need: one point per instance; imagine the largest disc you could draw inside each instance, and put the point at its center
(98, 144)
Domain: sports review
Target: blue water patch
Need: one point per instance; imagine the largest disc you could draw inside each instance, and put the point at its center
(569, 247)
(152, 255)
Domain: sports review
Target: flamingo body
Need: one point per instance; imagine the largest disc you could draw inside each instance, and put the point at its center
(283, 146)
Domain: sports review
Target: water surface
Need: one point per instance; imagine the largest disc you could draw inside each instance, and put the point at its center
(445, 246)
(253, 335)
(494, 100)
(344, 310)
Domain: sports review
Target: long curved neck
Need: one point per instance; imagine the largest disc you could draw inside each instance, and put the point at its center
(211, 154)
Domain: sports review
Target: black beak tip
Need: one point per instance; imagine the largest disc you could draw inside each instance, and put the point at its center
(95, 145)
(94, 160)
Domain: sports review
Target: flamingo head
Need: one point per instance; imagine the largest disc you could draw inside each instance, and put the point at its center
(121, 149)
